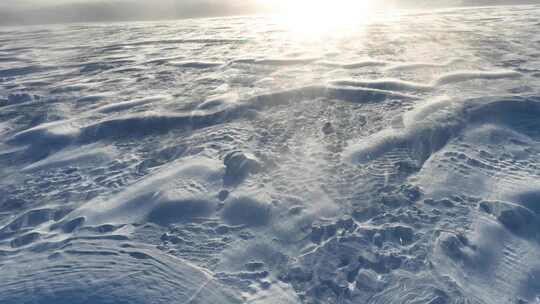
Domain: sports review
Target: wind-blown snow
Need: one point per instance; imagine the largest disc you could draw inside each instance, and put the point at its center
(231, 160)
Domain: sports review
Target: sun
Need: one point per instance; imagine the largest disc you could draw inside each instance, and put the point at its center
(319, 16)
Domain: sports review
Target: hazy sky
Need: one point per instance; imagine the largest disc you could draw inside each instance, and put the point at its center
(47, 11)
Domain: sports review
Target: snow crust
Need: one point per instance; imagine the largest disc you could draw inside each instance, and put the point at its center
(230, 160)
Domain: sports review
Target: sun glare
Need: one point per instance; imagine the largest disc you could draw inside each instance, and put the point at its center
(320, 16)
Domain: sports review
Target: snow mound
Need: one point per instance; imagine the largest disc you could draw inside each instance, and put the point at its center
(461, 76)
(246, 211)
(180, 192)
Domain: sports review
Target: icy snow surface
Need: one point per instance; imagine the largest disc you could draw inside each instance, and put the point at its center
(234, 160)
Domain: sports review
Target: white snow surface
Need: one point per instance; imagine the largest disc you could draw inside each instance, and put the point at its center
(234, 160)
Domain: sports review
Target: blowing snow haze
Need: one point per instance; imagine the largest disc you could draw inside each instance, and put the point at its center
(61, 11)
(33, 12)
(299, 152)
